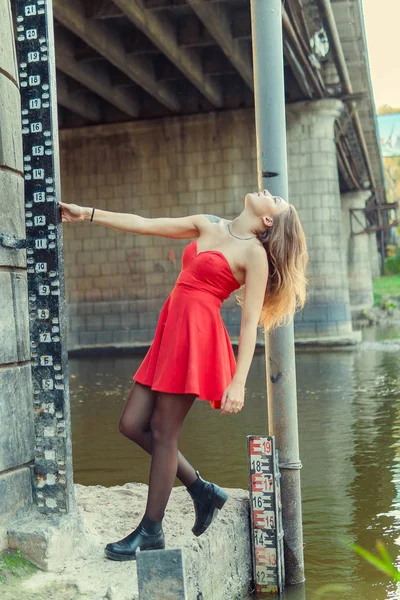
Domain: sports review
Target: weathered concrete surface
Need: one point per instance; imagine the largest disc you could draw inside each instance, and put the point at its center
(15, 498)
(217, 564)
(356, 246)
(45, 541)
(14, 326)
(11, 143)
(7, 51)
(374, 257)
(314, 190)
(17, 435)
(12, 215)
(12, 218)
(16, 415)
(161, 574)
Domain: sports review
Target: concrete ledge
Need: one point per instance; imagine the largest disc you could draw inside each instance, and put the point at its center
(217, 564)
(349, 339)
(46, 542)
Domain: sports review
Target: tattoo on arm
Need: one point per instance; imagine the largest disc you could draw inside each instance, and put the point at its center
(213, 218)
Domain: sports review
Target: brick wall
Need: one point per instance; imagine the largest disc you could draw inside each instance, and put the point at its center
(116, 282)
(315, 192)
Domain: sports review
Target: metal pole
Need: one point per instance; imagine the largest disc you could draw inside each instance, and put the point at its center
(266, 18)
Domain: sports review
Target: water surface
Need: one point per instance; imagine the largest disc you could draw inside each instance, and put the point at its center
(349, 427)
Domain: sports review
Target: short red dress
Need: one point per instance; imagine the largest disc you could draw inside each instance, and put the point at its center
(191, 352)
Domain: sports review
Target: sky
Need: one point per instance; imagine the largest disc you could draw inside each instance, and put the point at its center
(382, 25)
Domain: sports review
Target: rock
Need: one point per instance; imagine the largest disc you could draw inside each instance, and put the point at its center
(46, 541)
(370, 315)
(161, 574)
(110, 593)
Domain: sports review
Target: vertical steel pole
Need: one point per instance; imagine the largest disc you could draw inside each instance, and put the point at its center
(266, 19)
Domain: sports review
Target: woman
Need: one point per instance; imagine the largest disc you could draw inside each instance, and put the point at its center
(264, 249)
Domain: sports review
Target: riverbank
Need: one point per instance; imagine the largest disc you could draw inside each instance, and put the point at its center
(217, 564)
(386, 309)
(386, 286)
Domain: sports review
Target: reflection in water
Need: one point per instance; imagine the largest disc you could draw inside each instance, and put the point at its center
(349, 426)
(376, 404)
(325, 391)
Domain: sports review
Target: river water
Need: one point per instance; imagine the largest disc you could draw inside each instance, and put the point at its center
(349, 427)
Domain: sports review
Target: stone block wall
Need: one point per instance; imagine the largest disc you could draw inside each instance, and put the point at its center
(315, 191)
(16, 412)
(117, 282)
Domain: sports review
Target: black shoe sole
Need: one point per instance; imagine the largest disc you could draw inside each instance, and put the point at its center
(218, 504)
(121, 557)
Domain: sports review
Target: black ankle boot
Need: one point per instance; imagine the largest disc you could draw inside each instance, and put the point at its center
(207, 498)
(147, 536)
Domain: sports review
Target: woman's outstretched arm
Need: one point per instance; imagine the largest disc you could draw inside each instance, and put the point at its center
(179, 228)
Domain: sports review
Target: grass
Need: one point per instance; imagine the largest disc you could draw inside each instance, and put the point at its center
(383, 563)
(385, 288)
(14, 566)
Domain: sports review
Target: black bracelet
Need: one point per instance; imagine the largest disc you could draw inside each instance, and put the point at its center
(91, 218)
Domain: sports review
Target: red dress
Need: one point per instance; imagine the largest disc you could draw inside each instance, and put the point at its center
(191, 352)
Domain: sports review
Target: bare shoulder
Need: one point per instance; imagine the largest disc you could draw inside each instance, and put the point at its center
(205, 222)
(255, 258)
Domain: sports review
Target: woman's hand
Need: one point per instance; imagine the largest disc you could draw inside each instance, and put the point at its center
(72, 213)
(233, 399)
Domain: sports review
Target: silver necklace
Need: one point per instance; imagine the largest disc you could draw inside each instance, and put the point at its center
(239, 238)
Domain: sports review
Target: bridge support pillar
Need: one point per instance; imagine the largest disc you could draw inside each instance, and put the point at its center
(17, 437)
(356, 246)
(314, 190)
(374, 258)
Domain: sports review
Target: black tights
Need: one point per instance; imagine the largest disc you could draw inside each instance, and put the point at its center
(153, 420)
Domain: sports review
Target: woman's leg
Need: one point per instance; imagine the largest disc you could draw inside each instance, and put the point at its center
(168, 414)
(167, 419)
(135, 424)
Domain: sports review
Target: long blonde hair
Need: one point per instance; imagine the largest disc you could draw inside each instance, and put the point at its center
(286, 248)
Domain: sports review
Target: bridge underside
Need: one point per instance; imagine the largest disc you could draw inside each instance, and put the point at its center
(156, 104)
(126, 60)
